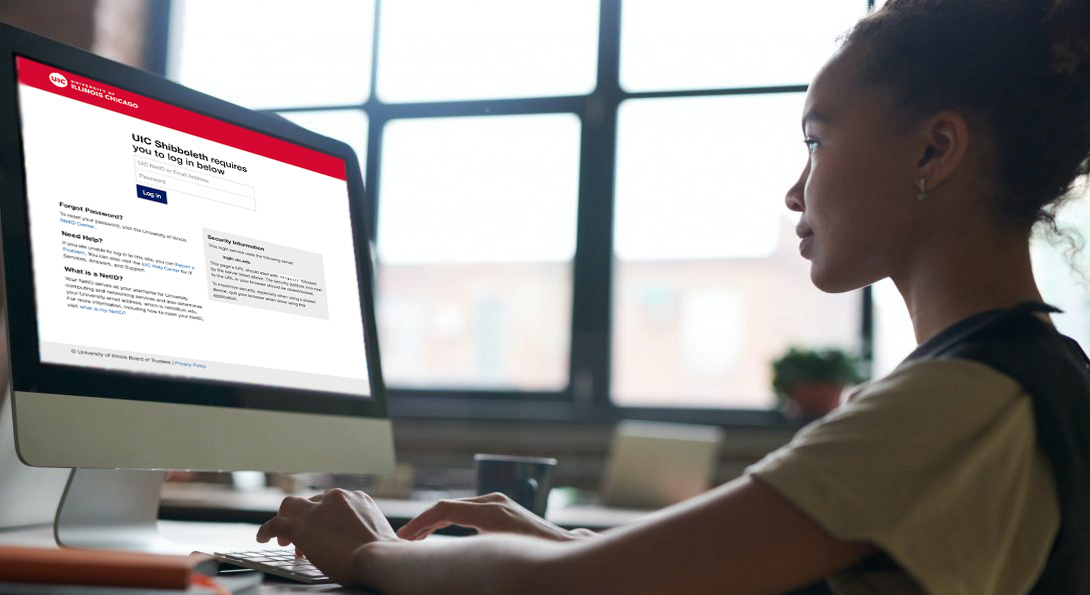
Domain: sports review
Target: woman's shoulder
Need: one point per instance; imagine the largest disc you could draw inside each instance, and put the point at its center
(925, 410)
(922, 463)
(929, 386)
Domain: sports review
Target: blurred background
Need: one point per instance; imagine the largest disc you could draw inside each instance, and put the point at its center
(577, 206)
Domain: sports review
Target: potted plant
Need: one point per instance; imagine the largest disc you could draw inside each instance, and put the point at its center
(808, 382)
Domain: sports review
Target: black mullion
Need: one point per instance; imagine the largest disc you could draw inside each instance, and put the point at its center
(439, 405)
(713, 92)
(376, 124)
(315, 108)
(373, 83)
(485, 107)
(529, 105)
(157, 36)
(480, 394)
(866, 347)
(593, 263)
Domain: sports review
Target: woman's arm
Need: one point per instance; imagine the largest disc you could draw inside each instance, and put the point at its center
(742, 537)
(489, 513)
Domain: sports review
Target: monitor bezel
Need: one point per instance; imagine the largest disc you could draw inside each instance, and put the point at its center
(30, 375)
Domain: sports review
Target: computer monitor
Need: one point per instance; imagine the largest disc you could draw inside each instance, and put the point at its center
(187, 285)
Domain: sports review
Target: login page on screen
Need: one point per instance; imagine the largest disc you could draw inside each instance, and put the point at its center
(167, 242)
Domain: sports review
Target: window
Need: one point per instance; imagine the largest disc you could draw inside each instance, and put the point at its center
(704, 44)
(437, 50)
(1062, 277)
(575, 201)
(476, 238)
(894, 337)
(273, 61)
(274, 53)
(708, 283)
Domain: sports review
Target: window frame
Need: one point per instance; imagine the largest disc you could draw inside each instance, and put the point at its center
(587, 398)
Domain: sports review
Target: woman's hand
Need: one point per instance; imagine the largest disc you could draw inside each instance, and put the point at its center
(490, 513)
(329, 528)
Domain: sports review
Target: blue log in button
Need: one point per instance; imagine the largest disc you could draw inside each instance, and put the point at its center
(151, 194)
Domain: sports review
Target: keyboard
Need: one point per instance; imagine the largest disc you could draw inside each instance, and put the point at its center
(279, 562)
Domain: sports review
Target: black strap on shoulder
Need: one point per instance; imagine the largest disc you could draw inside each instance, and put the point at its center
(1055, 372)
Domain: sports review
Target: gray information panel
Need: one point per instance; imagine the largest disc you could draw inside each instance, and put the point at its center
(259, 274)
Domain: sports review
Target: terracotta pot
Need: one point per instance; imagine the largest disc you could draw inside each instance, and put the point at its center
(815, 399)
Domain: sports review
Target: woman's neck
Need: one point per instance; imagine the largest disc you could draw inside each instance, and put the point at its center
(974, 272)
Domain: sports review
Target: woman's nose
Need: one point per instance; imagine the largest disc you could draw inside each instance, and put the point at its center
(793, 199)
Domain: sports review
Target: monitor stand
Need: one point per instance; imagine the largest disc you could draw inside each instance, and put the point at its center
(113, 509)
(118, 509)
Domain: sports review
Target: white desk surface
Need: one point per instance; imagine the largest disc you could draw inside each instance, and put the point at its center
(267, 501)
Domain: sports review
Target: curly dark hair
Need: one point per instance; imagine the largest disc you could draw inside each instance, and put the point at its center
(1018, 68)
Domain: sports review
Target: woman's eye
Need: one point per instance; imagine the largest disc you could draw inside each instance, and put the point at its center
(810, 143)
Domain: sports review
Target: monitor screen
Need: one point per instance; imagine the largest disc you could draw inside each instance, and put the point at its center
(187, 283)
(165, 242)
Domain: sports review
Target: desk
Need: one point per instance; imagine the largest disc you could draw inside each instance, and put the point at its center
(237, 512)
(194, 502)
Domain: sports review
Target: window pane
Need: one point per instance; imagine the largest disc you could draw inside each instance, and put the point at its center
(475, 241)
(1059, 284)
(894, 337)
(709, 286)
(274, 53)
(347, 126)
(694, 44)
(705, 177)
(434, 50)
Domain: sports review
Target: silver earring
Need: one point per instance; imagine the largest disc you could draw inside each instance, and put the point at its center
(922, 194)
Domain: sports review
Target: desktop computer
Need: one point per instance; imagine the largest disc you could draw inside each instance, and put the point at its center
(187, 285)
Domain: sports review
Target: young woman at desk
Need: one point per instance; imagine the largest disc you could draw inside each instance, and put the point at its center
(940, 133)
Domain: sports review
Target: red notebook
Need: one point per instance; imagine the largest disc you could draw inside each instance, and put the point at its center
(72, 566)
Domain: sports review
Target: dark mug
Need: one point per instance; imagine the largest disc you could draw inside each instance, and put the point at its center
(526, 480)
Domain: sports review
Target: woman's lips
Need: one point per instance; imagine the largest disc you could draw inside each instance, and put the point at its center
(804, 243)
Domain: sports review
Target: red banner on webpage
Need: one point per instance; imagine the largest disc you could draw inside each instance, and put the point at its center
(72, 86)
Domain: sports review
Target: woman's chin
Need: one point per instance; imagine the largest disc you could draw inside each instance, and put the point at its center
(832, 280)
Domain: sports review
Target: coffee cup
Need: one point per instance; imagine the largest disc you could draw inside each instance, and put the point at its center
(526, 480)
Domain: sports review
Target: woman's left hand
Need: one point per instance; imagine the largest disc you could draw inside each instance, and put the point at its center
(328, 529)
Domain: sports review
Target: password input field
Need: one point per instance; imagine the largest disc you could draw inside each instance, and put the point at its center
(182, 180)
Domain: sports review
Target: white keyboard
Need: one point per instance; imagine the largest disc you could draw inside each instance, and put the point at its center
(283, 563)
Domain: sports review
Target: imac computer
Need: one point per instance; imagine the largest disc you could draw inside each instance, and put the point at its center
(187, 285)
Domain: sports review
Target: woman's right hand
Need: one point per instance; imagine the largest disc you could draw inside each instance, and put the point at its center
(490, 513)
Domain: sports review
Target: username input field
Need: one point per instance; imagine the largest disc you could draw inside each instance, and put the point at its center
(174, 178)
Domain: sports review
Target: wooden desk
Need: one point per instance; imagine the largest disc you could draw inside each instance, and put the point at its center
(194, 502)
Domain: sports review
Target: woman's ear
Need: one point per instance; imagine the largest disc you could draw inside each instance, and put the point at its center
(945, 139)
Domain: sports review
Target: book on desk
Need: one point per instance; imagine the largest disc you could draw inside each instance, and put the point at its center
(62, 570)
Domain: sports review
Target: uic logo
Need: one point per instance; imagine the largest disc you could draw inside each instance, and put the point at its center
(58, 79)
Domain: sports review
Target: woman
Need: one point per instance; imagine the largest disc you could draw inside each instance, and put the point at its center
(940, 133)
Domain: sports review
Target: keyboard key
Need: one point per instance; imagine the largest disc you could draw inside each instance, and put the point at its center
(281, 562)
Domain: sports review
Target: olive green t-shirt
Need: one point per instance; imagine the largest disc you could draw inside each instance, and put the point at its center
(937, 465)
